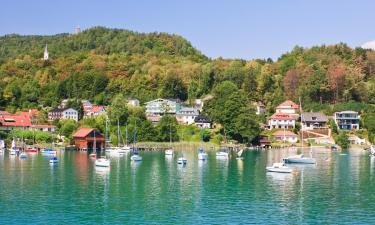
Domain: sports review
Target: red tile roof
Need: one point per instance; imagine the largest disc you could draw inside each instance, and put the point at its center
(283, 116)
(82, 132)
(94, 109)
(285, 133)
(10, 120)
(288, 104)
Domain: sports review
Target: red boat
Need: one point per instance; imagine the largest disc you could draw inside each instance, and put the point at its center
(31, 150)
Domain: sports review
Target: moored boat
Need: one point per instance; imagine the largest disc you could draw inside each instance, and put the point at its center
(182, 160)
(31, 149)
(169, 152)
(222, 154)
(299, 159)
(202, 154)
(102, 162)
(49, 151)
(279, 168)
(53, 160)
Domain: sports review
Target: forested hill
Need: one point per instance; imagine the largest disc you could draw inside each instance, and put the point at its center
(100, 63)
(100, 40)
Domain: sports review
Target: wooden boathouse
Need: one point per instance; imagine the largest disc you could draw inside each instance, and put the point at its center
(84, 139)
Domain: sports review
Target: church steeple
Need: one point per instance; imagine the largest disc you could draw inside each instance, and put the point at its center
(45, 53)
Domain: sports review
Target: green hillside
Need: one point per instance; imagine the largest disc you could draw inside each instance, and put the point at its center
(99, 64)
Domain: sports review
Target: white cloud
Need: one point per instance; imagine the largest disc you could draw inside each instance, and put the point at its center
(370, 44)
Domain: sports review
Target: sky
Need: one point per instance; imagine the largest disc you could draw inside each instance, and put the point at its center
(220, 28)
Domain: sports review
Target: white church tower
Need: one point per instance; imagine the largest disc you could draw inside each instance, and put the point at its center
(45, 57)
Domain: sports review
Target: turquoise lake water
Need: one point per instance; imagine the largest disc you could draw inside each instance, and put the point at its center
(338, 190)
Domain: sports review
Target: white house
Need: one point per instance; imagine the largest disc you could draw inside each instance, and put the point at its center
(202, 121)
(347, 120)
(133, 102)
(186, 115)
(285, 135)
(94, 111)
(162, 106)
(287, 107)
(43, 127)
(68, 113)
(282, 120)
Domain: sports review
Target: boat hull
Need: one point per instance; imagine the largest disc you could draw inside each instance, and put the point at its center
(202, 156)
(300, 160)
(136, 158)
(181, 161)
(279, 170)
(102, 163)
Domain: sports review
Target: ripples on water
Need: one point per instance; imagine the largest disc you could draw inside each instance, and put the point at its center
(339, 189)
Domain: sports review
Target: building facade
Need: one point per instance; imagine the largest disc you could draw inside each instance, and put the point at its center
(313, 120)
(84, 139)
(286, 136)
(288, 107)
(202, 121)
(94, 111)
(162, 106)
(347, 120)
(68, 113)
(281, 121)
(186, 115)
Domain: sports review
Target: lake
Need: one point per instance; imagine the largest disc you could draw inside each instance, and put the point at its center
(338, 190)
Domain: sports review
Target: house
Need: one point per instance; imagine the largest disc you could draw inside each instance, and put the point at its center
(10, 122)
(202, 121)
(84, 139)
(347, 120)
(259, 108)
(133, 102)
(288, 107)
(93, 111)
(313, 120)
(162, 106)
(186, 115)
(68, 113)
(43, 127)
(282, 120)
(285, 135)
(263, 141)
(85, 103)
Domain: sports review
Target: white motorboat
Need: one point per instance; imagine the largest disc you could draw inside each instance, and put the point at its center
(53, 160)
(102, 162)
(182, 160)
(136, 157)
(279, 168)
(222, 154)
(300, 159)
(169, 152)
(202, 155)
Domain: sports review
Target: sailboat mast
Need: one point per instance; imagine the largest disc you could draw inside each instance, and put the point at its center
(106, 133)
(118, 133)
(126, 134)
(94, 144)
(300, 109)
(134, 134)
(170, 134)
